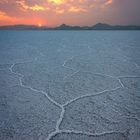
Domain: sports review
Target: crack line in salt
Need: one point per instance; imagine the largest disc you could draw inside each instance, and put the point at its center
(88, 133)
(89, 95)
(67, 61)
(136, 65)
(63, 65)
(84, 133)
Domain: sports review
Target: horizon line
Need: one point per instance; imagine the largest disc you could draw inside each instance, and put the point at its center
(68, 25)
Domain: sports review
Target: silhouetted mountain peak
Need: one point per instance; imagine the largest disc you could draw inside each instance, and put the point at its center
(63, 25)
(102, 26)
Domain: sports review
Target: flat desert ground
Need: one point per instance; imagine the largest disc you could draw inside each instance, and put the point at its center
(69, 85)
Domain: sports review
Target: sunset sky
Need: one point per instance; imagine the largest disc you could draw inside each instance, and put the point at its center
(71, 12)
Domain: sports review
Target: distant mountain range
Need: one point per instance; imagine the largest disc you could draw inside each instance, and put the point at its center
(98, 26)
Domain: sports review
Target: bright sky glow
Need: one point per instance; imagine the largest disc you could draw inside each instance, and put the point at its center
(72, 12)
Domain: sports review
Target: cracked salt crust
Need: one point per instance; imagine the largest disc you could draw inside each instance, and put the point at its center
(125, 79)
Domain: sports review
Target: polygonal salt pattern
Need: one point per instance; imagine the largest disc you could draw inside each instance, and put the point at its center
(71, 85)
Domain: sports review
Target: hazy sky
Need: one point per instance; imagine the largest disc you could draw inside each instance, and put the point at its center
(72, 12)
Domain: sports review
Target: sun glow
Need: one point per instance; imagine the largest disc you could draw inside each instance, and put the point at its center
(39, 25)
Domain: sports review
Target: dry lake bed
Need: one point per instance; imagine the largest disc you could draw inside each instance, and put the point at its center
(69, 85)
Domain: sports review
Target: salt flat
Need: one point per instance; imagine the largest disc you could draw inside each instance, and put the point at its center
(69, 85)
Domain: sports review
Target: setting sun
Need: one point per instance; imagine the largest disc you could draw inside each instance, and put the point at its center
(39, 25)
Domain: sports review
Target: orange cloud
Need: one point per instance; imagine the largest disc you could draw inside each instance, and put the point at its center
(27, 7)
(37, 8)
(59, 11)
(109, 2)
(105, 4)
(5, 17)
(57, 2)
(76, 9)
